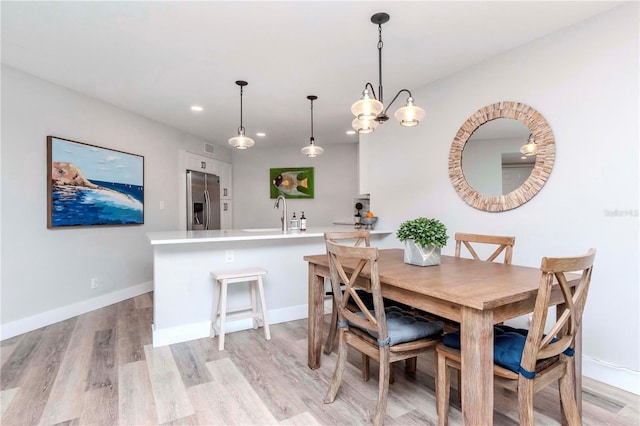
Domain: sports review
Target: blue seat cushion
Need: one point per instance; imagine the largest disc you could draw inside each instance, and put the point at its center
(403, 326)
(508, 345)
(367, 299)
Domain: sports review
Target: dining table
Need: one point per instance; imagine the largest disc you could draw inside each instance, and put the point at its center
(476, 294)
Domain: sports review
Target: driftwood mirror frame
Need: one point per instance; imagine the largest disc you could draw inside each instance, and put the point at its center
(542, 169)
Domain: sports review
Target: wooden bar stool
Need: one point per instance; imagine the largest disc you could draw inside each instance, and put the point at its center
(223, 278)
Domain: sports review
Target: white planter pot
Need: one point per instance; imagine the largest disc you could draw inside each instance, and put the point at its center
(421, 256)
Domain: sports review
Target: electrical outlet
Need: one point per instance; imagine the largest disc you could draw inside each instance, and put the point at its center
(228, 256)
(94, 283)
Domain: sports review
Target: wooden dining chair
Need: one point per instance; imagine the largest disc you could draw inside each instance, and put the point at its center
(386, 335)
(505, 245)
(527, 361)
(359, 237)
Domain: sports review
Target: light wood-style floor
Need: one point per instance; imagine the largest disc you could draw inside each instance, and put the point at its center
(100, 368)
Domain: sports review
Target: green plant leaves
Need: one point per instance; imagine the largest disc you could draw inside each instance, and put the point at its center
(425, 231)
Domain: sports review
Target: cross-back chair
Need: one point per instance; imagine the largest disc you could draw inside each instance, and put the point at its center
(360, 238)
(505, 244)
(385, 335)
(527, 361)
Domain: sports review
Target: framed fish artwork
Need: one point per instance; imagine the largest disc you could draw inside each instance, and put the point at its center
(291, 182)
(88, 185)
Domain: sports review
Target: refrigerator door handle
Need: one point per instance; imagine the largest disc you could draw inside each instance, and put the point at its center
(208, 209)
(189, 203)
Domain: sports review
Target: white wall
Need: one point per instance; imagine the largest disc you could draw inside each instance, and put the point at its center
(335, 175)
(584, 80)
(49, 270)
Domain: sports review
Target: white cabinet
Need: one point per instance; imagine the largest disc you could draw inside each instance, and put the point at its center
(219, 168)
(224, 171)
(226, 214)
(202, 164)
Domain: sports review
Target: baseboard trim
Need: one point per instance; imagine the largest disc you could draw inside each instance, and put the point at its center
(199, 330)
(24, 325)
(183, 333)
(619, 377)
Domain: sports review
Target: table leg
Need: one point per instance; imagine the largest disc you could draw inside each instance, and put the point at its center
(476, 341)
(316, 318)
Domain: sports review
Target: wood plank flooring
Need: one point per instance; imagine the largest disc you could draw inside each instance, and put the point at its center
(100, 369)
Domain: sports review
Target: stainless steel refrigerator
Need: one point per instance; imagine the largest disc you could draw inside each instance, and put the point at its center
(203, 201)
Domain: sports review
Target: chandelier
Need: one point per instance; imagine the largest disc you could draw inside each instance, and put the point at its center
(370, 110)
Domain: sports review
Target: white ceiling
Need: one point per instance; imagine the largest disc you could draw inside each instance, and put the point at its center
(159, 58)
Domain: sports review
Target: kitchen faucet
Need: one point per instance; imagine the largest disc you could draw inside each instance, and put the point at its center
(283, 217)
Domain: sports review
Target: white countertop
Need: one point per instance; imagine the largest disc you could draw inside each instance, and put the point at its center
(190, 237)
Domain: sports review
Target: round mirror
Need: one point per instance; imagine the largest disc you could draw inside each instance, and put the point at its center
(486, 164)
(491, 160)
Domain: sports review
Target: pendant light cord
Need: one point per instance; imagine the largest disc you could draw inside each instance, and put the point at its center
(380, 44)
(312, 139)
(241, 128)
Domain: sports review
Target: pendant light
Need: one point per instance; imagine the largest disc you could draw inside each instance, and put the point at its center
(241, 141)
(312, 150)
(369, 110)
(530, 148)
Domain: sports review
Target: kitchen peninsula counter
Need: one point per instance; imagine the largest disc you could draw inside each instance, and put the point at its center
(249, 234)
(183, 288)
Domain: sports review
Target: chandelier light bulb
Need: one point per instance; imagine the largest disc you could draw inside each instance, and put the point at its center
(364, 126)
(367, 108)
(410, 115)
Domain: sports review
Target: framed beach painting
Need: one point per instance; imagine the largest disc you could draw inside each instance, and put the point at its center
(88, 185)
(291, 182)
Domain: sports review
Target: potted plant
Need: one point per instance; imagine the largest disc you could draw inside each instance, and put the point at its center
(423, 238)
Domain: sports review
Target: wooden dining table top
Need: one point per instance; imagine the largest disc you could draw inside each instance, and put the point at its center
(464, 282)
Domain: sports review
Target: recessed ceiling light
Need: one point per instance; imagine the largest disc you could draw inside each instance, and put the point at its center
(523, 158)
(261, 134)
(351, 132)
(197, 108)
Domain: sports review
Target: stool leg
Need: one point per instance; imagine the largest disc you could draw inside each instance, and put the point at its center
(216, 309)
(267, 333)
(223, 314)
(254, 305)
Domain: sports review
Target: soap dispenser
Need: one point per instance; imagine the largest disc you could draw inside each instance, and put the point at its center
(303, 222)
(293, 225)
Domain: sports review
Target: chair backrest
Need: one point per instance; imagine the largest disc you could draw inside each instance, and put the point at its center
(561, 336)
(359, 236)
(505, 244)
(358, 260)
